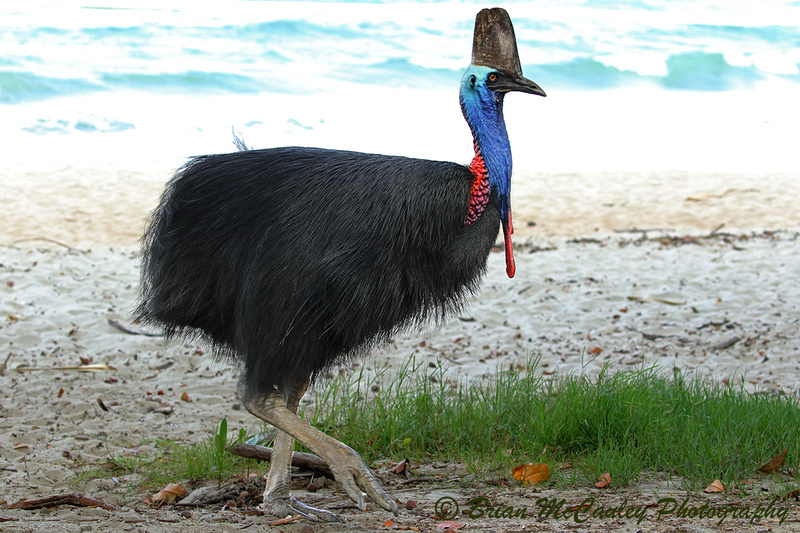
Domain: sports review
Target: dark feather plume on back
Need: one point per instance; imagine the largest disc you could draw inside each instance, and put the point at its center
(290, 259)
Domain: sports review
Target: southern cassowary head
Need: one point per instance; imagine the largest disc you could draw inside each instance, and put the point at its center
(494, 71)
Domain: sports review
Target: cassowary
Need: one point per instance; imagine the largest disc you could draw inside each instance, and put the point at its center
(290, 260)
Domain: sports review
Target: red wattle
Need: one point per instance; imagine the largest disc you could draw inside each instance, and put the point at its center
(511, 268)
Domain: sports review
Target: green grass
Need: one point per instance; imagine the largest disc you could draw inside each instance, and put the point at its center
(626, 423)
(169, 461)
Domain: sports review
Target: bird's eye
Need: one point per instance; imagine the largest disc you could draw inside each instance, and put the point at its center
(472, 81)
(492, 76)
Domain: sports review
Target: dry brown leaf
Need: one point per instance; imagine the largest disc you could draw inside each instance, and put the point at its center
(716, 486)
(774, 464)
(605, 480)
(531, 473)
(185, 397)
(579, 506)
(595, 351)
(401, 467)
(450, 524)
(168, 494)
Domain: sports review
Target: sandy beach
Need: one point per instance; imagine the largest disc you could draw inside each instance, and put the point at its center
(694, 272)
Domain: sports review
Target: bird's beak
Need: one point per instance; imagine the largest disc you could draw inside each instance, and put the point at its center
(517, 83)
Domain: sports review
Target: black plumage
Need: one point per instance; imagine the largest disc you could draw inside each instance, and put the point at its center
(290, 259)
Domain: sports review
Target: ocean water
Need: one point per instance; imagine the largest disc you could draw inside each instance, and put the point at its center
(632, 84)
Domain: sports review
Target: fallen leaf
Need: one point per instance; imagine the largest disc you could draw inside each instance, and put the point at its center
(168, 494)
(450, 524)
(60, 393)
(531, 473)
(716, 486)
(185, 397)
(774, 464)
(388, 524)
(401, 467)
(595, 351)
(101, 404)
(605, 480)
(793, 495)
(579, 506)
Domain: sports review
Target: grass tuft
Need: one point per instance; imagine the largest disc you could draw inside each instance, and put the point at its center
(624, 423)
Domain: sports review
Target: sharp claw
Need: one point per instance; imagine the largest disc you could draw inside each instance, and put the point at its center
(361, 504)
(291, 506)
(307, 516)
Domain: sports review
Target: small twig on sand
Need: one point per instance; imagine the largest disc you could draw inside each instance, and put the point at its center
(78, 500)
(726, 343)
(126, 329)
(308, 461)
(645, 231)
(47, 239)
(83, 368)
(4, 365)
(288, 520)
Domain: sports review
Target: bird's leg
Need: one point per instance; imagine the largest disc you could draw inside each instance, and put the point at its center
(348, 467)
(278, 500)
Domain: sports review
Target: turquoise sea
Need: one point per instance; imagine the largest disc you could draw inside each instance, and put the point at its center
(632, 84)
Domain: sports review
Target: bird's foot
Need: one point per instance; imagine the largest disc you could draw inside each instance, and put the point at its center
(357, 479)
(283, 507)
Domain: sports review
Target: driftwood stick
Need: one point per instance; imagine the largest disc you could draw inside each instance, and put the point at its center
(308, 461)
(727, 343)
(78, 500)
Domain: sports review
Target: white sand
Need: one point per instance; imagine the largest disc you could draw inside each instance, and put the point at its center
(567, 300)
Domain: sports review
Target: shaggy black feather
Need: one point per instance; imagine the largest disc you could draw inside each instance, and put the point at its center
(291, 259)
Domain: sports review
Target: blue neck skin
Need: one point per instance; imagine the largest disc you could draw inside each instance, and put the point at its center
(483, 111)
